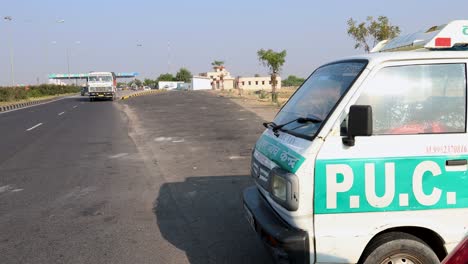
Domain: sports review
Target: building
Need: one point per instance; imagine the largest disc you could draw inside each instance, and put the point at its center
(220, 78)
(257, 83)
(201, 83)
(168, 85)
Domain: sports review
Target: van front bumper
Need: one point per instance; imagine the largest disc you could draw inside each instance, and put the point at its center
(285, 242)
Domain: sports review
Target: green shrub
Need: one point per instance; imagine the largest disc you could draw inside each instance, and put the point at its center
(8, 94)
(263, 94)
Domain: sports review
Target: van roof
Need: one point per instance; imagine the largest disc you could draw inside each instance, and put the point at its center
(378, 58)
(453, 35)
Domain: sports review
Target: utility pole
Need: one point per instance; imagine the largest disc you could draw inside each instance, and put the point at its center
(68, 63)
(168, 57)
(12, 71)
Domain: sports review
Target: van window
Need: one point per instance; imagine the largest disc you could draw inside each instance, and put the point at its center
(417, 99)
(318, 95)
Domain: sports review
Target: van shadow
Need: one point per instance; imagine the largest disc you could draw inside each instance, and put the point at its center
(203, 216)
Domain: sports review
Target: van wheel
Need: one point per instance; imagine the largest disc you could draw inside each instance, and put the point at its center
(398, 248)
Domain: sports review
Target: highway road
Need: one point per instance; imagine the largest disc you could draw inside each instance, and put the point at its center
(154, 179)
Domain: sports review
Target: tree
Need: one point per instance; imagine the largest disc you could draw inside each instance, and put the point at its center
(217, 63)
(166, 77)
(371, 32)
(274, 62)
(135, 82)
(292, 81)
(149, 82)
(183, 75)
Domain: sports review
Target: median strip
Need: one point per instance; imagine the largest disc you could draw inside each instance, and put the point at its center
(31, 128)
(140, 94)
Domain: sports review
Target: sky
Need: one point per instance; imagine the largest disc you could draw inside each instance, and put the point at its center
(154, 37)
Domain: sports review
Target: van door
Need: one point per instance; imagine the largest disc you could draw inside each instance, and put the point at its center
(411, 172)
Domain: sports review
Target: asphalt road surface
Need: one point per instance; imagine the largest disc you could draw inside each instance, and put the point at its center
(153, 179)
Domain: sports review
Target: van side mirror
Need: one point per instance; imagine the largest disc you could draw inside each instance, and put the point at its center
(359, 123)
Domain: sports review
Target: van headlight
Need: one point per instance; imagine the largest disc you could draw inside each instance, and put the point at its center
(284, 188)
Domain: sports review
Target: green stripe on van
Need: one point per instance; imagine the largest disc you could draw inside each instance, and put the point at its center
(400, 184)
(285, 157)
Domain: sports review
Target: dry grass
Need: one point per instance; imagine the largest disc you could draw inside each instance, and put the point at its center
(262, 97)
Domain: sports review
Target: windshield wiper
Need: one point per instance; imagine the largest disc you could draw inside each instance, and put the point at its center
(269, 124)
(300, 120)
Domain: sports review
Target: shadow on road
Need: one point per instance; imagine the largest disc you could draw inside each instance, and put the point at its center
(86, 99)
(203, 216)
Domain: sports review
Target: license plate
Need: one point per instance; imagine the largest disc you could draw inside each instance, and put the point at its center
(101, 95)
(249, 217)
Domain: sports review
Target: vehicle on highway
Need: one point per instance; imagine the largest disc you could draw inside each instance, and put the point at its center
(102, 85)
(459, 255)
(84, 90)
(146, 88)
(367, 162)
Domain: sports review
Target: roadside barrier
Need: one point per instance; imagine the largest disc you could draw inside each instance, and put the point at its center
(25, 104)
(140, 94)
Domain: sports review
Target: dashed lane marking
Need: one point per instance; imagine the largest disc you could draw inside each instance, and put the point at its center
(31, 128)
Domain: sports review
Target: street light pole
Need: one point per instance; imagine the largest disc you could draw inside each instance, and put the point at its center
(12, 71)
(68, 62)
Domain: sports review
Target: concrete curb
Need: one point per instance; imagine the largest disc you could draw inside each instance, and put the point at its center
(26, 104)
(140, 94)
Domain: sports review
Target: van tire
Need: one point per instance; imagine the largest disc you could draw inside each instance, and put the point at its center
(398, 245)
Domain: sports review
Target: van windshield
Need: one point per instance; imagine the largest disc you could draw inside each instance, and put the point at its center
(317, 96)
(102, 78)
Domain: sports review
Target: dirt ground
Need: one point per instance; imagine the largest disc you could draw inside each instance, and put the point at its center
(258, 102)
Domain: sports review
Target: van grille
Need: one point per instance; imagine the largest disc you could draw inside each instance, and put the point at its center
(260, 173)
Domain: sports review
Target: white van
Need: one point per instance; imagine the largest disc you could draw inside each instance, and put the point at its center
(367, 161)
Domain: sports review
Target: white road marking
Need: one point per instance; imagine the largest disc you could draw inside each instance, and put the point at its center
(160, 139)
(16, 190)
(75, 106)
(31, 128)
(61, 113)
(178, 141)
(236, 157)
(118, 155)
(5, 188)
(67, 97)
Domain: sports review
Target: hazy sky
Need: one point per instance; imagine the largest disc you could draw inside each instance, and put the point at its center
(104, 35)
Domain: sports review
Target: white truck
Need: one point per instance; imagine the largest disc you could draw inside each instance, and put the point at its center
(102, 85)
(368, 161)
